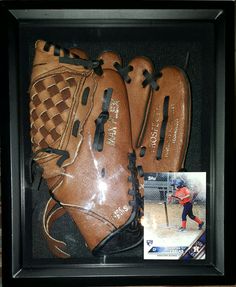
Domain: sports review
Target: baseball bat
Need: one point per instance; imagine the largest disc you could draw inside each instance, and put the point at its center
(175, 197)
(166, 213)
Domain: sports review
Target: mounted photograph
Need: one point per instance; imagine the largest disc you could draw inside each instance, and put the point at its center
(175, 215)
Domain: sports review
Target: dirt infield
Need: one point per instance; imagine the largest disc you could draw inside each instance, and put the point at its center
(155, 225)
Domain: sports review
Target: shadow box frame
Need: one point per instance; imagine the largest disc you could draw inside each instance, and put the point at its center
(217, 268)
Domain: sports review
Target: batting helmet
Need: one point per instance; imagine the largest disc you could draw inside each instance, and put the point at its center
(178, 182)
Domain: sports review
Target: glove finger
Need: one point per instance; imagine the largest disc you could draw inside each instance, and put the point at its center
(110, 58)
(165, 140)
(139, 96)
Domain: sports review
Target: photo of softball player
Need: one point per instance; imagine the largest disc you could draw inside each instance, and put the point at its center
(174, 215)
(183, 194)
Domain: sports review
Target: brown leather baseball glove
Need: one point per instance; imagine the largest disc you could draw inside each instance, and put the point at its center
(81, 138)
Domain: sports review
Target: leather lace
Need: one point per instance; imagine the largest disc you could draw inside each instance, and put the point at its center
(76, 60)
(151, 79)
(36, 171)
(138, 201)
(124, 72)
(101, 120)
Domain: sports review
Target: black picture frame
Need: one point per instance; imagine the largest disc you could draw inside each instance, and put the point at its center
(218, 268)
